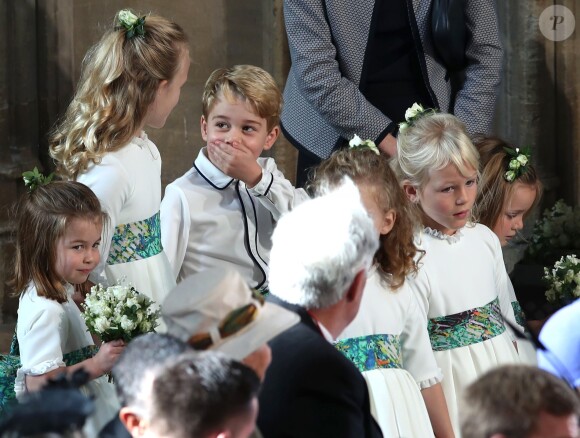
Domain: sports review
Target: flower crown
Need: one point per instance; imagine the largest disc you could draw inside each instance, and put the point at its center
(132, 24)
(358, 143)
(33, 179)
(413, 114)
(518, 164)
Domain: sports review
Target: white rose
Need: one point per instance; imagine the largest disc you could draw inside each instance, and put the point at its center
(514, 164)
(102, 324)
(355, 141)
(132, 302)
(102, 309)
(510, 176)
(127, 324)
(119, 292)
(127, 17)
(413, 111)
(522, 159)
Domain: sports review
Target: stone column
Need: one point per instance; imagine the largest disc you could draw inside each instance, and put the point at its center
(19, 130)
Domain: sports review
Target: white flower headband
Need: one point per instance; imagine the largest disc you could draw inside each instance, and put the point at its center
(518, 164)
(413, 114)
(358, 143)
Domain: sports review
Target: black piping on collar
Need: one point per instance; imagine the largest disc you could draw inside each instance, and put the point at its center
(209, 181)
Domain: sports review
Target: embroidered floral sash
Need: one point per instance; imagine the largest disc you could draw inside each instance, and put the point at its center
(519, 313)
(372, 352)
(136, 241)
(10, 363)
(466, 328)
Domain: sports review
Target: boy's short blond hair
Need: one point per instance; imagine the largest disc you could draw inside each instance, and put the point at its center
(249, 83)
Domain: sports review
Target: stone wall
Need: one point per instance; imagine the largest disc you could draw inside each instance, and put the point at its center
(539, 102)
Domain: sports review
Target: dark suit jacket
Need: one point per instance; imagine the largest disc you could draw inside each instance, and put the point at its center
(311, 390)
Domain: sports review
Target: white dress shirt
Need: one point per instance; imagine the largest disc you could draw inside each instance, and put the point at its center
(209, 220)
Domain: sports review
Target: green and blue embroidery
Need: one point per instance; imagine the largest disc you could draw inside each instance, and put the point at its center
(136, 241)
(10, 363)
(466, 328)
(373, 351)
(519, 313)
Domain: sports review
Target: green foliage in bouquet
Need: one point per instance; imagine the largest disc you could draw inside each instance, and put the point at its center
(119, 312)
(557, 231)
(563, 280)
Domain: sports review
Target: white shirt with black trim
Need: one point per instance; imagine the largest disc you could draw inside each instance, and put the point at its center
(210, 220)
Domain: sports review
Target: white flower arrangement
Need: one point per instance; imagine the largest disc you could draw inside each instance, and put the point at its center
(517, 165)
(133, 25)
(412, 114)
(357, 142)
(563, 280)
(557, 230)
(119, 312)
(127, 18)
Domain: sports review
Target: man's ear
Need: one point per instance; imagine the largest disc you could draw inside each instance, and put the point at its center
(131, 421)
(271, 138)
(203, 126)
(411, 191)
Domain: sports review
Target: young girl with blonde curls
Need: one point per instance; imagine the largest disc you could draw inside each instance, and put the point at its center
(509, 189)
(58, 232)
(131, 79)
(462, 282)
(388, 339)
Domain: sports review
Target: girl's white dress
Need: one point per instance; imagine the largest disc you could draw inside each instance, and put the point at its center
(389, 344)
(462, 286)
(48, 332)
(128, 184)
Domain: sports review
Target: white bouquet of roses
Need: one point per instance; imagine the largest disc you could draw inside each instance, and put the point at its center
(563, 280)
(119, 312)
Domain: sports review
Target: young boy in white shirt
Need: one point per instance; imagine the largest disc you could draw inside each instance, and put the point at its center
(222, 212)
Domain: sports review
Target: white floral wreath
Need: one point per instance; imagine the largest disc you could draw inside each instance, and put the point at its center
(518, 164)
(413, 114)
(358, 143)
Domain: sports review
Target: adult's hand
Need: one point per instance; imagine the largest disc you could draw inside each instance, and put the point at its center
(389, 145)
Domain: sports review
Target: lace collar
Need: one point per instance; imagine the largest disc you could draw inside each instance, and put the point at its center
(441, 236)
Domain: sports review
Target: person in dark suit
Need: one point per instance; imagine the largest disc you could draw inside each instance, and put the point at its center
(320, 256)
(358, 65)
